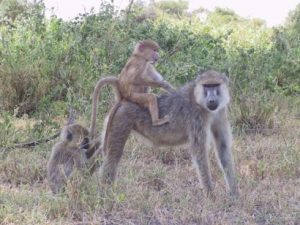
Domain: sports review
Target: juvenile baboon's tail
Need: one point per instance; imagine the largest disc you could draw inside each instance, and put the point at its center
(114, 81)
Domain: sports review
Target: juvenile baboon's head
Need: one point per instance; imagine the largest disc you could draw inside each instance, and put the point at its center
(147, 49)
(211, 90)
(76, 136)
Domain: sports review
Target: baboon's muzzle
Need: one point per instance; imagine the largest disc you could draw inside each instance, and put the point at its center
(212, 105)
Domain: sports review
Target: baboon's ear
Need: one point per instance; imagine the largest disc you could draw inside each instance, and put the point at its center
(198, 77)
(69, 136)
(141, 46)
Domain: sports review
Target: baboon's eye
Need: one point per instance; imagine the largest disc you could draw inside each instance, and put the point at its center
(205, 92)
(218, 92)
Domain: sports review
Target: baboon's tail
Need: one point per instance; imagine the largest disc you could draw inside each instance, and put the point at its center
(114, 81)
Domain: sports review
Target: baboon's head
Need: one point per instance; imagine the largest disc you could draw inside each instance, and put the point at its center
(76, 136)
(211, 90)
(148, 50)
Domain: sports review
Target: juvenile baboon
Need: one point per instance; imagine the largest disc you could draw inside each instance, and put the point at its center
(70, 153)
(139, 74)
(133, 84)
(198, 116)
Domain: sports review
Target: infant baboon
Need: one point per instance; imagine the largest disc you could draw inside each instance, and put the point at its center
(139, 74)
(70, 153)
(133, 84)
(198, 116)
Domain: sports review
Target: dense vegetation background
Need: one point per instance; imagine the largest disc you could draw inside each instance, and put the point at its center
(51, 62)
(48, 65)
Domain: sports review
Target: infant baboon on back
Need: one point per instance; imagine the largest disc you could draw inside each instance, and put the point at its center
(70, 153)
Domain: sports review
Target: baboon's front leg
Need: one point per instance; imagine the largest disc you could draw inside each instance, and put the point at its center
(199, 152)
(222, 135)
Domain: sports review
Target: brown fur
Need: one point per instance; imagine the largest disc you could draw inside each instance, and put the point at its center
(139, 74)
(114, 81)
(133, 85)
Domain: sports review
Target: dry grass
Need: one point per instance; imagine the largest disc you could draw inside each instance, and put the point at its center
(160, 186)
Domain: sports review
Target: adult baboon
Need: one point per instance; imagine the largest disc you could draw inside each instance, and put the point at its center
(70, 153)
(197, 116)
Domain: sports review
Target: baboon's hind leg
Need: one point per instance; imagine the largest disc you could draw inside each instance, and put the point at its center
(116, 140)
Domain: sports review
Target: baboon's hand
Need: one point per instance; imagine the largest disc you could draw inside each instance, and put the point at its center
(168, 87)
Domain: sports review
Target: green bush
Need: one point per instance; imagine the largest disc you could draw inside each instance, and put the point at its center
(44, 61)
(256, 113)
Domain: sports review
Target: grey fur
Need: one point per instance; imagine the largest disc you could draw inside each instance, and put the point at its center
(191, 122)
(70, 153)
